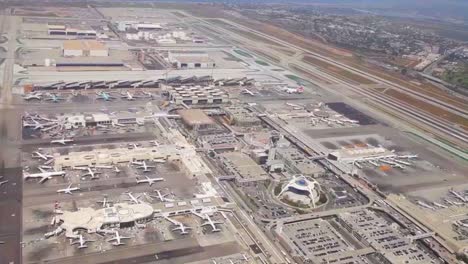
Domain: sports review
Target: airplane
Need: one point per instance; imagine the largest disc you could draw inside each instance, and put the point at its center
(36, 125)
(44, 175)
(408, 156)
(143, 166)
(62, 141)
(211, 223)
(3, 182)
(54, 98)
(182, 228)
(40, 155)
(104, 96)
(247, 91)
(116, 169)
(118, 239)
(91, 173)
(128, 96)
(68, 190)
(148, 94)
(425, 205)
(133, 198)
(458, 196)
(439, 205)
(295, 106)
(104, 202)
(298, 90)
(80, 240)
(162, 197)
(32, 96)
(149, 180)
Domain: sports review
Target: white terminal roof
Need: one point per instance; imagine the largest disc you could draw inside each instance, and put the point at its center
(92, 220)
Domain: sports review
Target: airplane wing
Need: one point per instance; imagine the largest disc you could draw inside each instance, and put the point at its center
(43, 179)
(42, 170)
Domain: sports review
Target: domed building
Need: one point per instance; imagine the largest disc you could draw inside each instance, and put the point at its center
(301, 190)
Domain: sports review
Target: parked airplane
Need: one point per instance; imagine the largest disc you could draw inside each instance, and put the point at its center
(3, 182)
(118, 239)
(132, 198)
(43, 175)
(182, 228)
(116, 169)
(289, 90)
(38, 154)
(149, 180)
(54, 98)
(35, 125)
(104, 96)
(458, 196)
(105, 202)
(247, 91)
(295, 106)
(162, 197)
(148, 94)
(32, 96)
(92, 174)
(62, 141)
(143, 165)
(440, 205)
(128, 96)
(69, 189)
(80, 240)
(210, 222)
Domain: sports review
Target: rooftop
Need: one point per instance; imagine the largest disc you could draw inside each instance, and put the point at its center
(195, 117)
(83, 45)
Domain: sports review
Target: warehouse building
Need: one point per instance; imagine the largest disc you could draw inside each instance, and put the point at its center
(244, 168)
(191, 60)
(197, 95)
(196, 119)
(63, 30)
(92, 48)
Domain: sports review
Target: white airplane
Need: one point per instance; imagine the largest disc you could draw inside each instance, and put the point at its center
(439, 205)
(118, 239)
(116, 169)
(105, 202)
(423, 204)
(162, 197)
(35, 125)
(3, 182)
(149, 180)
(211, 223)
(132, 198)
(295, 106)
(40, 155)
(80, 240)
(69, 189)
(32, 96)
(408, 156)
(247, 91)
(62, 141)
(456, 194)
(182, 228)
(128, 96)
(92, 174)
(43, 175)
(143, 165)
(289, 90)
(54, 98)
(148, 94)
